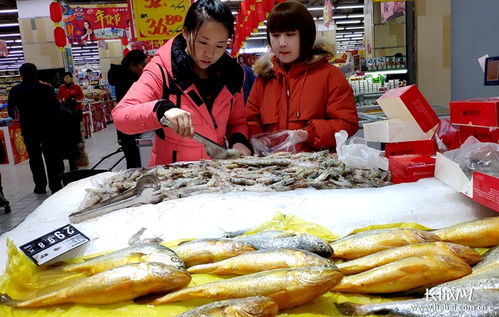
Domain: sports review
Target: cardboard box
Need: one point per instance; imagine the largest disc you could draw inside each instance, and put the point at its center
(411, 117)
(424, 147)
(477, 112)
(482, 188)
(410, 168)
(483, 134)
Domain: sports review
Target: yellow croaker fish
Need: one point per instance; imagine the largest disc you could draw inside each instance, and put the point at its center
(119, 284)
(368, 262)
(481, 233)
(210, 250)
(405, 274)
(287, 287)
(262, 261)
(256, 306)
(135, 254)
(367, 242)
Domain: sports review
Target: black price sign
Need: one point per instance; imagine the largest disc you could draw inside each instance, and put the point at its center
(54, 244)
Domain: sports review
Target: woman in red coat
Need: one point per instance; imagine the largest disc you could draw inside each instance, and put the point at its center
(296, 87)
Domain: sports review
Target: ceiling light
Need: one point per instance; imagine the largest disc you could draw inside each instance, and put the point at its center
(354, 28)
(349, 22)
(17, 46)
(8, 11)
(263, 27)
(258, 38)
(12, 52)
(8, 25)
(345, 7)
(353, 16)
(10, 35)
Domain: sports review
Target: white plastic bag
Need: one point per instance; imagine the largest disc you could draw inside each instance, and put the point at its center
(357, 154)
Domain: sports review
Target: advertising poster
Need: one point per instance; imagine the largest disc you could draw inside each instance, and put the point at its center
(95, 22)
(159, 19)
(391, 10)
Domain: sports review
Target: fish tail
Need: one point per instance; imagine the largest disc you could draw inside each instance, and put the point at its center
(7, 300)
(350, 309)
(469, 255)
(427, 236)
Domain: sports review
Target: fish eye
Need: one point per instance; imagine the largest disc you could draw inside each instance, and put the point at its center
(322, 246)
(174, 259)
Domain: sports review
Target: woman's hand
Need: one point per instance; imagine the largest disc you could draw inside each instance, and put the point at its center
(180, 121)
(242, 149)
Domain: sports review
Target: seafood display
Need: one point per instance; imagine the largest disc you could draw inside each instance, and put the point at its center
(405, 274)
(478, 233)
(261, 261)
(367, 242)
(273, 239)
(256, 306)
(276, 172)
(287, 287)
(112, 286)
(135, 254)
(210, 250)
(368, 262)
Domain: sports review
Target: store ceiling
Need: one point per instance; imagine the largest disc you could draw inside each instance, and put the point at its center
(349, 22)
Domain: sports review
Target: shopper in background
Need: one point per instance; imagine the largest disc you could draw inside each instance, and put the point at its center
(38, 110)
(195, 85)
(296, 87)
(71, 96)
(122, 77)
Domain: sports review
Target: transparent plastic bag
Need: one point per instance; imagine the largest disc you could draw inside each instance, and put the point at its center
(357, 154)
(476, 156)
(284, 140)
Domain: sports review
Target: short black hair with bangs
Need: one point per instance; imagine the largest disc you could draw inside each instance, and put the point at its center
(293, 16)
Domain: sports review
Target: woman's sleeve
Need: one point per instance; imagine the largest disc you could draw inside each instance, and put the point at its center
(253, 108)
(341, 114)
(136, 112)
(237, 127)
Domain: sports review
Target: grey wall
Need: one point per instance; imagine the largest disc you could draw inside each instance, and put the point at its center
(475, 32)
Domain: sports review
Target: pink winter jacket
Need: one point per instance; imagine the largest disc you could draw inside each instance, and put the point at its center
(135, 114)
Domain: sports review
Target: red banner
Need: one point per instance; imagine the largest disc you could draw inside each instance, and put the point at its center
(98, 22)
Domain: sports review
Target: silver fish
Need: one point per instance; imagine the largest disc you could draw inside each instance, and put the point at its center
(483, 303)
(274, 239)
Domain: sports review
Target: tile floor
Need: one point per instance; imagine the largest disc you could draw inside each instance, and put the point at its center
(18, 184)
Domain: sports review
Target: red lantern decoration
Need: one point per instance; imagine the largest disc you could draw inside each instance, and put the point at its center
(60, 37)
(124, 41)
(55, 12)
(126, 51)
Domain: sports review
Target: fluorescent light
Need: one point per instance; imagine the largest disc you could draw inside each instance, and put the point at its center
(315, 8)
(17, 46)
(353, 16)
(345, 7)
(8, 11)
(93, 54)
(250, 50)
(354, 28)
(11, 34)
(12, 52)
(8, 25)
(258, 38)
(263, 27)
(349, 22)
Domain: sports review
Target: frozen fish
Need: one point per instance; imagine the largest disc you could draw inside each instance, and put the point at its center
(210, 250)
(256, 306)
(480, 233)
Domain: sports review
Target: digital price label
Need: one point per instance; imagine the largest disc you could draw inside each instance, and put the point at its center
(54, 244)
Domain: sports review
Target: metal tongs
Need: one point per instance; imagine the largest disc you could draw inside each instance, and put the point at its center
(147, 191)
(214, 150)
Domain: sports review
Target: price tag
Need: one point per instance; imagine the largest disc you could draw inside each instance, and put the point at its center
(54, 244)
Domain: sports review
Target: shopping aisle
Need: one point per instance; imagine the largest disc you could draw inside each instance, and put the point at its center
(18, 184)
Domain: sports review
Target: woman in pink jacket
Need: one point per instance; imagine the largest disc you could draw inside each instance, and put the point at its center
(194, 84)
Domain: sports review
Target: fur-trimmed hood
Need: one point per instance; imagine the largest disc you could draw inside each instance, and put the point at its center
(264, 66)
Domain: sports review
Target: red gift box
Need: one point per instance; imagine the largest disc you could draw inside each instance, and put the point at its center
(410, 168)
(483, 134)
(477, 112)
(425, 147)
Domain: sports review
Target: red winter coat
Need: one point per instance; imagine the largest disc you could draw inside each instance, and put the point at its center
(313, 95)
(135, 112)
(74, 91)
